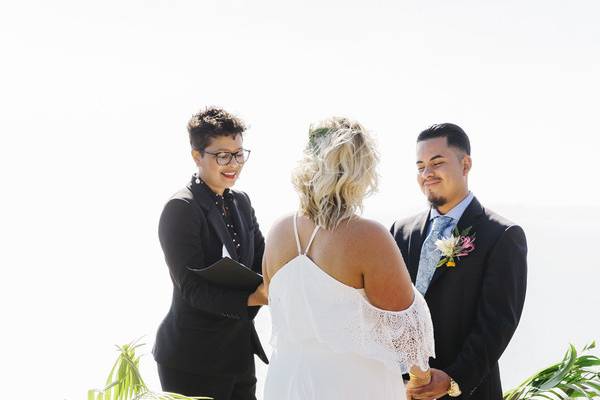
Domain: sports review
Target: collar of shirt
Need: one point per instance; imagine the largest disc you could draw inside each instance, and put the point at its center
(223, 203)
(455, 213)
(216, 197)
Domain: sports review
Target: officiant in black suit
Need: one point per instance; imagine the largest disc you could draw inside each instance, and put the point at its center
(475, 299)
(205, 345)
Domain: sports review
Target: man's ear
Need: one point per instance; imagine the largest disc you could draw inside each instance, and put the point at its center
(196, 156)
(467, 162)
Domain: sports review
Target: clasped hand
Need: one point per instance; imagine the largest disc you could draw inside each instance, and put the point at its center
(438, 386)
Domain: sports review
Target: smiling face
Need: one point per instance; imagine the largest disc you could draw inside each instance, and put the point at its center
(442, 173)
(219, 177)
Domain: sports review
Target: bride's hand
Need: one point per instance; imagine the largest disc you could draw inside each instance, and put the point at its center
(417, 382)
(417, 379)
(260, 297)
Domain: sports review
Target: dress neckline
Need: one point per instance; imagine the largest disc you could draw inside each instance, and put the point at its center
(359, 291)
(315, 266)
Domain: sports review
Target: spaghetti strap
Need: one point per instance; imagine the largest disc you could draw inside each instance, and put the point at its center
(312, 237)
(296, 234)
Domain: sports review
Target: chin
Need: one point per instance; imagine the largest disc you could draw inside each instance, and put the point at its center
(229, 184)
(436, 201)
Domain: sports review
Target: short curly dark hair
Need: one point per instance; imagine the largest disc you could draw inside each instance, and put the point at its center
(210, 123)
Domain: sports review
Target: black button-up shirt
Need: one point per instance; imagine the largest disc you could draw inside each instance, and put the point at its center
(225, 205)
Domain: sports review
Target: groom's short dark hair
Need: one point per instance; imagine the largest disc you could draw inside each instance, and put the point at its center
(454, 134)
(210, 123)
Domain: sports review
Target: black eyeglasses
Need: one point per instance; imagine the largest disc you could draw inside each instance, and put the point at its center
(225, 157)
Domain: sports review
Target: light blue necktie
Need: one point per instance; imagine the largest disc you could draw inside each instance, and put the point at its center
(430, 255)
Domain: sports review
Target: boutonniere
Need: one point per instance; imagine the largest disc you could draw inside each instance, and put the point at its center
(458, 245)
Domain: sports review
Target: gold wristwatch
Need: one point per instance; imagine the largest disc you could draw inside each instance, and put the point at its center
(454, 390)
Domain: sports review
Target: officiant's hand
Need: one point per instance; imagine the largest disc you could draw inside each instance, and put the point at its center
(260, 297)
(438, 387)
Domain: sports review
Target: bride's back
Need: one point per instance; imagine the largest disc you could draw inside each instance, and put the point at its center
(359, 253)
(329, 341)
(336, 174)
(336, 251)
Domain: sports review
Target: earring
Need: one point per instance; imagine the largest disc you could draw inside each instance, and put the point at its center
(197, 179)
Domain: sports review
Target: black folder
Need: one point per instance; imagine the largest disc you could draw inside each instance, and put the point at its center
(230, 273)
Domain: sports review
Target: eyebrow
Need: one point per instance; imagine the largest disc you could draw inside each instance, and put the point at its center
(432, 158)
(227, 150)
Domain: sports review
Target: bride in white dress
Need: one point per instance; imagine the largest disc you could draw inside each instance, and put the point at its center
(347, 321)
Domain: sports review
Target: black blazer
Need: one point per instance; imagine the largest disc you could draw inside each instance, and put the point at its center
(475, 306)
(209, 329)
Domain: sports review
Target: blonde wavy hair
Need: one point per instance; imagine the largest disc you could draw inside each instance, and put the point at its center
(337, 171)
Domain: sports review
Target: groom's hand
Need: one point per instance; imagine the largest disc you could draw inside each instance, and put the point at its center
(436, 388)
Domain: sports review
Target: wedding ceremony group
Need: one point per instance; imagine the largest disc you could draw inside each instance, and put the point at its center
(422, 309)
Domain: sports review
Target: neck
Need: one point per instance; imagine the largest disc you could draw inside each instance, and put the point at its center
(444, 209)
(216, 190)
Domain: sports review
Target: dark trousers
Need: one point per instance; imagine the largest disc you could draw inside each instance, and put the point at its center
(229, 387)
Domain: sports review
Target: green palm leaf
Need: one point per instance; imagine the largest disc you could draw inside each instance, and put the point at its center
(574, 377)
(124, 381)
(567, 364)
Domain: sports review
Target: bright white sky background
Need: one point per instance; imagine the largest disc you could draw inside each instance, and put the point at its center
(95, 96)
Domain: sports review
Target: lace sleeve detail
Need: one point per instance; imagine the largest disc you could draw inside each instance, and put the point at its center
(401, 339)
(317, 308)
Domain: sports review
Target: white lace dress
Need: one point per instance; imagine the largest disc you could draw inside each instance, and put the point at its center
(330, 343)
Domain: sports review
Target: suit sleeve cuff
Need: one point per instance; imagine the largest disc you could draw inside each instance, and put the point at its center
(466, 381)
(237, 305)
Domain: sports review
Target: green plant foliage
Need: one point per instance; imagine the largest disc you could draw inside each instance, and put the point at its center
(576, 376)
(124, 381)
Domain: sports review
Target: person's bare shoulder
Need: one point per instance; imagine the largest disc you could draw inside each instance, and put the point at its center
(386, 279)
(367, 238)
(280, 226)
(280, 231)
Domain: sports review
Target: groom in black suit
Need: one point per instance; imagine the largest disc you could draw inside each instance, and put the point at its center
(475, 299)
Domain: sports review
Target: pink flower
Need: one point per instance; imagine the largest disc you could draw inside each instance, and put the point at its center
(467, 241)
(466, 246)
(458, 245)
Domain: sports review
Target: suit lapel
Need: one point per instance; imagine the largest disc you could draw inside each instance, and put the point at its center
(469, 218)
(204, 199)
(242, 230)
(417, 237)
(216, 220)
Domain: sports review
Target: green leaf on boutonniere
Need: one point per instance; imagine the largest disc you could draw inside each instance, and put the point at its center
(441, 262)
(455, 231)
(466, 231)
